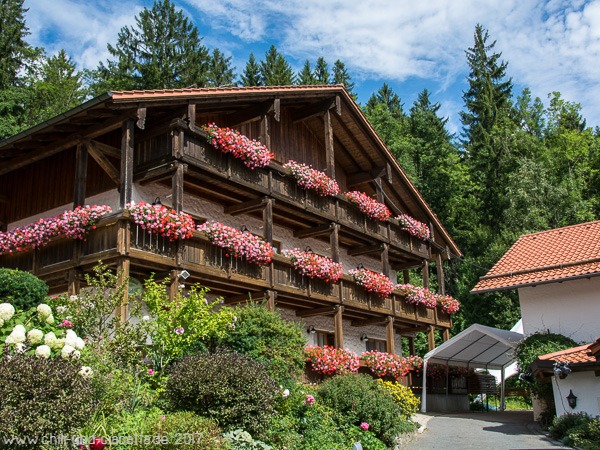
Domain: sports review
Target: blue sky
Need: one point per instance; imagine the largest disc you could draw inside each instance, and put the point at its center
(551, 45)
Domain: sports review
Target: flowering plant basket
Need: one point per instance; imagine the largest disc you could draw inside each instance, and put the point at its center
(384, 364)
(309, 178)
(373, 281)
(372, 208)
(331, 361)
(417, 295)
(414, 227)
(448, 303)
(240, 244)
(251, 152)
(158, 219)
(315, 266)
(73, 224)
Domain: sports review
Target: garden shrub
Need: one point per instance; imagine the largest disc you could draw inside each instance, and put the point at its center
(42, 397)
(402, 395)
(22, 289)
(266, 337)
(580, 430)
(561, 425)
(231, 388)
(242, 440)
(357, 398)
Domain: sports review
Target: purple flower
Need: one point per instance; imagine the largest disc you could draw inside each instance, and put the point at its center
(179, 330)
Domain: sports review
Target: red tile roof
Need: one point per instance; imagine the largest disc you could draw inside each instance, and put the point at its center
(547, 256)
(576, 355)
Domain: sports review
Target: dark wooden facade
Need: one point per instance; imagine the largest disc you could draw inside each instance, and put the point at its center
(124, 139)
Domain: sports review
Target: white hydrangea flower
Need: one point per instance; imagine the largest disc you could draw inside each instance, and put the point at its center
(51, 341)
(20, 329)
(66, 351)
(61, 309)
(1, 322)
(44, 311)
(79, 344)
(73, 298)
(35, 336)
(76, 354)
(6, 311)
(71, 338)
(86, 372)
(20, 347)
(286, 393)
(50, 319)
(17, 335)
(43, 351)
(146, 318)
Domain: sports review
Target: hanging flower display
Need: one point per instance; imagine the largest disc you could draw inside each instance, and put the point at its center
(417, 295)
(373, 281)
(384, 364)
(414, 227)
(372, 208)
(315, 266)
(309, 178)
(331, 361)
(72, 224)
(240, 244)
(158, 219)
(448, 303)
(251, 152)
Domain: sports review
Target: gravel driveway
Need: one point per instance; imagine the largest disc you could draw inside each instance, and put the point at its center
(492, 430)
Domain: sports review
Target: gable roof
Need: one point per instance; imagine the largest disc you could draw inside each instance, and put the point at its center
(39, 141)
(545, 257)
(575, 355)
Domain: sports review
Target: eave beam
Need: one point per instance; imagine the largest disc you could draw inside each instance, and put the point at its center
(254, 113)
(317, 109)
(369, 322)
(365, 250)
(365, 177)
(325, 311)
(313, 232)
(246, 207)
(103, 162)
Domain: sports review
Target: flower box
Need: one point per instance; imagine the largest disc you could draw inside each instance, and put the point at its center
(328, 360)
(251, 152)
(373, 281)
(312, 179)
(372, 208)
(414, 227)
(158, 219)
(311, 265)
(416, 295)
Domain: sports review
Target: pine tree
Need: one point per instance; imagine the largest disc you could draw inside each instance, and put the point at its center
(163, 50)
(275, 70)
(341, 76)
(306, 76)
(220, 72)
(251, 75)
(321, 71)
(387, 97)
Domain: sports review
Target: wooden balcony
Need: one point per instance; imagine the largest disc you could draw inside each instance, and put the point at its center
(225, 179)
(117, 237)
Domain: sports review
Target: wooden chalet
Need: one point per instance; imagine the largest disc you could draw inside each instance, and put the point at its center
(140, 145)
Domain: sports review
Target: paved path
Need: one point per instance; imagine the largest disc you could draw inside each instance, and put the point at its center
(494, 430)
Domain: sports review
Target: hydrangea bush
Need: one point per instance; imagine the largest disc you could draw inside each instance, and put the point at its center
(309, 178)
(372, 281)
(315, 266)
(241, 245)
(251, 152)
(372, 208)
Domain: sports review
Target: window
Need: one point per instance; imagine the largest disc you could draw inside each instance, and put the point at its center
(324, 338)
(376, 345)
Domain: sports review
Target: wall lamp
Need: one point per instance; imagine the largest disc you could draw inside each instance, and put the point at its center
(572, 399)
(561, 369)
(311, 330)
(244, 229)
(157, 202)
(364, 338)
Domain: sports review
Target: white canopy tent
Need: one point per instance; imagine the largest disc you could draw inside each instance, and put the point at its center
(478, 347)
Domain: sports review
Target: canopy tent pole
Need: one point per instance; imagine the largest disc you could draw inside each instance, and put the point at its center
(424, 392)
(502, 382)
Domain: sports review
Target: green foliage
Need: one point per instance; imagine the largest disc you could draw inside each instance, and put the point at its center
(13, 48)
(306, 75)
(229, 387)
(242, 440)
(220, 72)
(22, 289)
(539, 344)
(341, 76)
(321, 71)
(251, 74)
(275, 70)
(180, 326)
(403, 396)
(266, 337)
(42, 397)
(578, 430)
(358, 398)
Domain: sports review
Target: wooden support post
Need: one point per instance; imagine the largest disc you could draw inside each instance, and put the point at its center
(446, 334)
(431, 337)
(338, 328)
(385, 260)
(334, 241)
(329, 151)
(440, 274)
(123, 266)
(389, 335)
(405, 276)
(81, 163)
(425, 272)
(265, 134)
(177, 186)
(126, 179)
(411, 345)
(271, 296)
(74, 282)
(268, 220)
(173, 284)
(379, 188)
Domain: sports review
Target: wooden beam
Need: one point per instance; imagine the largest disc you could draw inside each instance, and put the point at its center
(250, 114)
(103, 162)
(81, 165)
(389, 335)
(265, 134)
(386, 269)
(177, 186)
(365, 250)
(246, 207)
(324, 311)
(369, 322)
(243, 298)
(440, 274)
(191, 114)
(329, 149)
(338, 328)
(108, 150)
(271, 296)
(412, 329)
(411, 345)
(365, 177)
(123, 267)
(63, 144)
(268, 220)
(155, 174)
(405, 276)
(314, 231)
(431, 337)
(446, 335)
(141, 117)
(425, 273)
(316, 109)
(3, 199)
(126, 181)
(334, 242)
(74, 282)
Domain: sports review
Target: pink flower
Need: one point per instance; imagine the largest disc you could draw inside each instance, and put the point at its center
(251, 152)
(414, 227)
(158, 219)
(329, 360)
(179, 330)
(315, 266)
(373, 281)
(364, 426)
(309, 178)
(97, 444)
(309, 400)
(150, 372)
(372, 208)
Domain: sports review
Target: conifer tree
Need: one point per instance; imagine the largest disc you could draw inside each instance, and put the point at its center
(220, 72)
(321, 71)
(387, 97)
(306, 76)
(251, 75)
(341, 76)
(275, 69)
